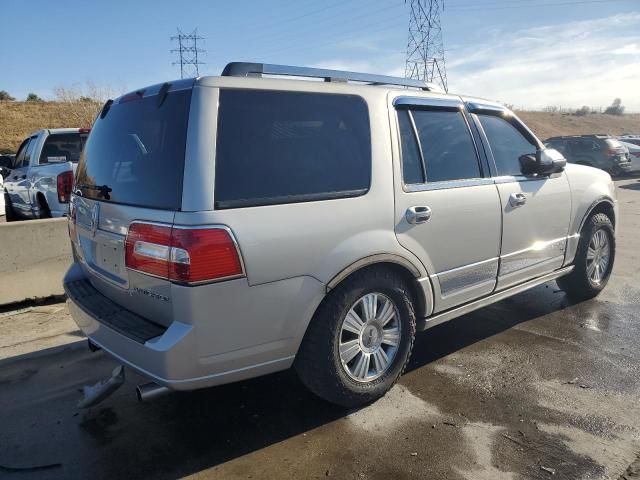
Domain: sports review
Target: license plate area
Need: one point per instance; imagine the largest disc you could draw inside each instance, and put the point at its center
(109, 256)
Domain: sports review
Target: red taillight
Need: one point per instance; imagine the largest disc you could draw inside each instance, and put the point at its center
(65, 184)
(182, 254)
(84, 130)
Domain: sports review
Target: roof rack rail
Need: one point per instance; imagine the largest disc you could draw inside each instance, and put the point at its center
(245, 69)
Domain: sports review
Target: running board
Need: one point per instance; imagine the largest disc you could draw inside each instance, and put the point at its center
(439, 318)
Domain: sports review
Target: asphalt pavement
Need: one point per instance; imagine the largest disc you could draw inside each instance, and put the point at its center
(532, 387)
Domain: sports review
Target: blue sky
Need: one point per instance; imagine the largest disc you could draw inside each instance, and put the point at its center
(530, 53)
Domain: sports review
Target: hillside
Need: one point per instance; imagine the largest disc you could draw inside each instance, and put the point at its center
(546, 125)
(18, 119)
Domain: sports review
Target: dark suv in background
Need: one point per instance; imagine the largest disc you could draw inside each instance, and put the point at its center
(600, 151)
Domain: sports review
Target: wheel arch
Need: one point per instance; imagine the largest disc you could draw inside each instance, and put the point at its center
(421, 288)
(601, 205)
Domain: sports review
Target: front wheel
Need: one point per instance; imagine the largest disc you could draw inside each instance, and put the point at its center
(593, 261)
(360, 339)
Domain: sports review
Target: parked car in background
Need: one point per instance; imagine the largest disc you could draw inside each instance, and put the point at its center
(2, 209)
(634, 155)
(39, 185)
(600, 151)
(228, 227)
(634, 139)
(5, 165)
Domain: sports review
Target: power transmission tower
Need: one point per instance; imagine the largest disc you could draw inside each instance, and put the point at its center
(188, 51)
(425, 51)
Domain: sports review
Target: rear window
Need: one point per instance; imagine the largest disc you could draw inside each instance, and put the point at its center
(283, 147)
(135, 154)
(613, 143)
(62, 147)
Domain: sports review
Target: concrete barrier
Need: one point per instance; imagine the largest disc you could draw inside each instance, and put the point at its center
(34, 256)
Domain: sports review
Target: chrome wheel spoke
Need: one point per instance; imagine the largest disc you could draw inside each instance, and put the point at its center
(391, 336)
(387, 313)
(369, 306)
(381, 360)
(349, 350)
(591, 253)
(361, 368)
(353, 323)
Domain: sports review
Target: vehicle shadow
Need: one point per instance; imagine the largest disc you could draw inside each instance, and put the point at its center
(186, 433)
(631, 186)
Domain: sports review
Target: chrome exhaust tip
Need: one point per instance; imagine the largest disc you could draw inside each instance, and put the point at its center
(150, 391)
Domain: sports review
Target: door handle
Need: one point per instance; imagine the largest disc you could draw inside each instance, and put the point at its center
(517, 199)
(418, 214)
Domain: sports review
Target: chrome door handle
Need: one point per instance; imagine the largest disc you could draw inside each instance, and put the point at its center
(517, 199)
(418, 214)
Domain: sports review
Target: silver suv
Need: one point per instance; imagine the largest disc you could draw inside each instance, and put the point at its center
(229, 227)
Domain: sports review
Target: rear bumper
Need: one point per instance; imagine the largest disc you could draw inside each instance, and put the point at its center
(197, 352)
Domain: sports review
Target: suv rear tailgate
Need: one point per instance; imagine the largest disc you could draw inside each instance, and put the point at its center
(131, 170)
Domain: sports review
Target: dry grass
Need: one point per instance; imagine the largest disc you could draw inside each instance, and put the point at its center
(19, 119)
(546, 125)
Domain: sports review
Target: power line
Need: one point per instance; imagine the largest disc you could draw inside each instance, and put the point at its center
(425, 50)
(188, 52)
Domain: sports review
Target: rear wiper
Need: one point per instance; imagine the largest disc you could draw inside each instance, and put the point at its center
(104, 190)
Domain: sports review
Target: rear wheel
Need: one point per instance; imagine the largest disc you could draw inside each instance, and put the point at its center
(594, 259)
(360, 339)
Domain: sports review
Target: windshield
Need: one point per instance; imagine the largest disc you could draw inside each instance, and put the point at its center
(135, 154)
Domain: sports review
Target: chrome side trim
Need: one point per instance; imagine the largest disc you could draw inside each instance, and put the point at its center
(430, 322)
(460, 278)
(593, 205)
(471, 182)
(408, 102)
(536, 253)
(371, 260)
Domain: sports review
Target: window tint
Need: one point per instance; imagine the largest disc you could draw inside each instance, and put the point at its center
(28, 152)
(62, 147)
(135, 154)
(412, 170)
(507, 144)
(446, 144)
(583, 146)
(281, 147)
(21, 153)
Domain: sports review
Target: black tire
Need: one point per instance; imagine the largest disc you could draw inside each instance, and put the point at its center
(10, 214)
(578, 285)
(318, 361)
(45, 211)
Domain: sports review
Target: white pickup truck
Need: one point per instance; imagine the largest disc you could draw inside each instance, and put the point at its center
(39, 185)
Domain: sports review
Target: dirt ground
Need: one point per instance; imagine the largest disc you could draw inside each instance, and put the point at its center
(532, 387)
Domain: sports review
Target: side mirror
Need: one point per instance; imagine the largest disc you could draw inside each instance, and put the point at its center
(544, 162)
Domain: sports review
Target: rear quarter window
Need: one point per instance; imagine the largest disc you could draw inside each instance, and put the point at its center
(282, 147)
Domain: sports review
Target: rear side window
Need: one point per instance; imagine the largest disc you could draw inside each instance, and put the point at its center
(135, 154)
(507, 144)
(62, 147)
(412, 170)
(282, 147)
(447, 146)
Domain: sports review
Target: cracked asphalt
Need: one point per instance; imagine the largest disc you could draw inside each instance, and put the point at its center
(531, 387)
